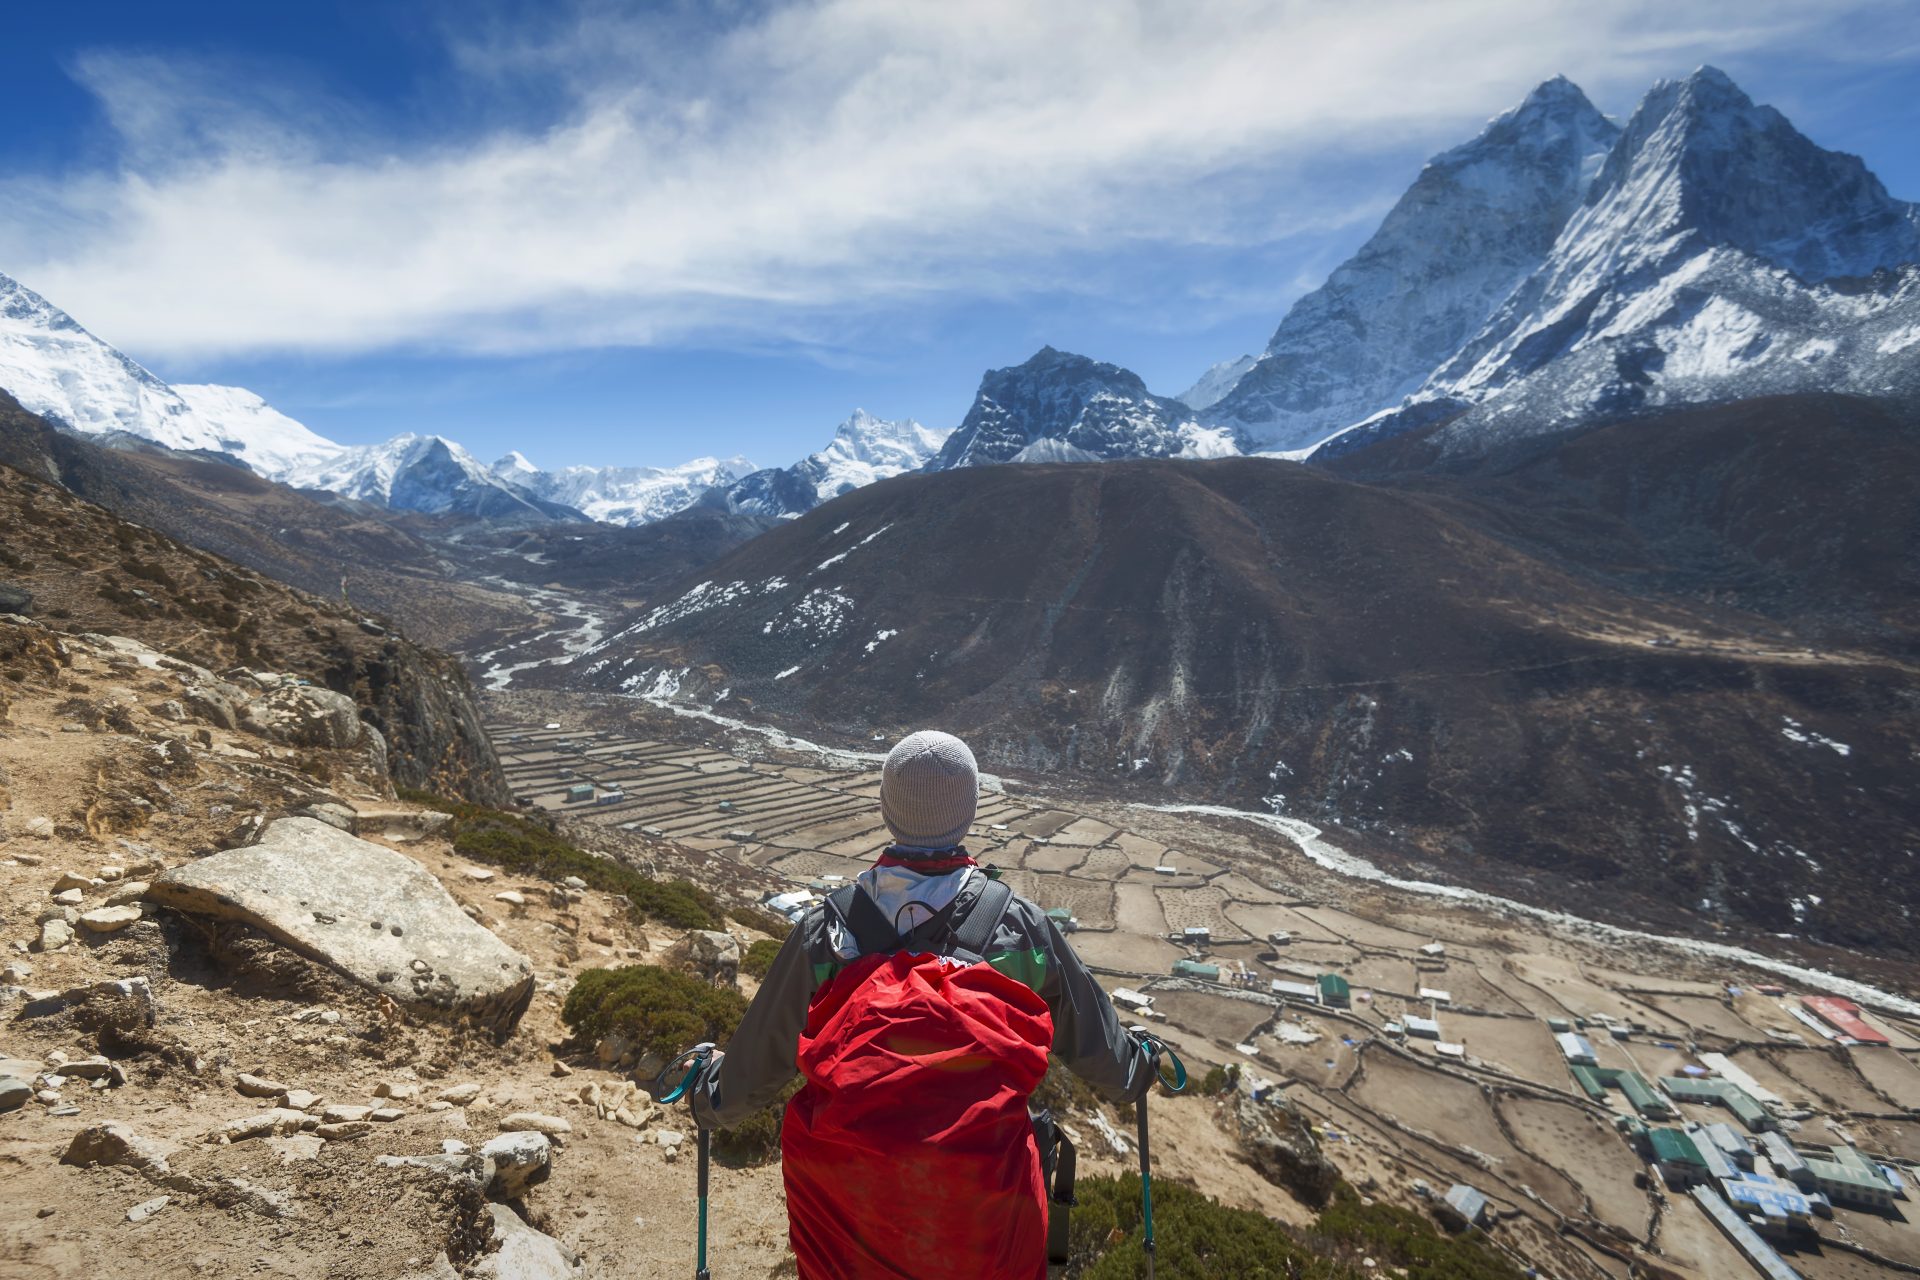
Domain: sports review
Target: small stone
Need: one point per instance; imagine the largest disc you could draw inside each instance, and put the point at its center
(512, 897)
(108, 919)
(147, 1208)
(17, 974)
(55, 934)
(301, 1100)
(69, 897)
(437, 1105)
(516, 1160)
(39, 828)
(479, 873)
(48, 1097)
(460, 1094)
(561, 1069)
(552, 1126)
(574, 882)
(14, 1093)
(399, 1091)
(123, 894)
(259, 1086)
(453, 1147)
(112, 873)
(343, 1130)
(94, 1068)
(342, 1113)
(68, 882)
(45, 1211)
(279, 1121)
(387, 1115)
(61, 1113)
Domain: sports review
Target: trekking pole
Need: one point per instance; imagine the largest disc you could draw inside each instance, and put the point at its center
(695, 1062)
(1154, 1047)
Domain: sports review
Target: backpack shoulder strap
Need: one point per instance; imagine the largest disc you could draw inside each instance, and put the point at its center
(975, 933)
(871, 932)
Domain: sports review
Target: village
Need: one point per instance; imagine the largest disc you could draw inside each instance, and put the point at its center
(1608, 1107)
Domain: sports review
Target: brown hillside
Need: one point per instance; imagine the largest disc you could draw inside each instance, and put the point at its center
(1262, 633)
(88, 570)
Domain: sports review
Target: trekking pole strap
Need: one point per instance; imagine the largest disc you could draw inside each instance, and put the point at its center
(695, 1061)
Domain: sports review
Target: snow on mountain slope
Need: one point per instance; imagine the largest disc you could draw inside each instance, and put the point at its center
(55, 368)
(1475, 223)
(1719, 255)
(1100, 410)
(1216, 382)
(622, 495)
(863, 449)
(255, 432)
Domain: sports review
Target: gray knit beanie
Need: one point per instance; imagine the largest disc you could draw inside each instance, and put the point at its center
(928, 789)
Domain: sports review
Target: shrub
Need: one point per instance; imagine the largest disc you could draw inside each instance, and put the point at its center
(759, 957)
(661, 1011)
(531, 848)
(1219, 1080)
(1197, 1238)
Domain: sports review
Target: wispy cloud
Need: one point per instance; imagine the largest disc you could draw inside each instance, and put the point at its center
(687, 180)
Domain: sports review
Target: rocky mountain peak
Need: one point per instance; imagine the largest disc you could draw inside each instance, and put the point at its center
(1057, 397)
(1700, 158)
(1475, 222)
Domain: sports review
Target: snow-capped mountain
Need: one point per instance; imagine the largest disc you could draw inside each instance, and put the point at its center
(1719, 255)
(622, 495)
(429, 474)
(57, 369)
(1475, 223)
(1062, 407)
(863, 449)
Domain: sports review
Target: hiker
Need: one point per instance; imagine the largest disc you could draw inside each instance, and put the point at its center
(919, 1003)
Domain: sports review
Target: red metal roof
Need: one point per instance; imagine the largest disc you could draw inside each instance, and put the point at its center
(1843, 1016)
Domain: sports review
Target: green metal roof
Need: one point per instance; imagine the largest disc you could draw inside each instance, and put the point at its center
(1671, 1145)
(1332, 984)
(1194, 969)
(1641, 1094)
(1589, 1080)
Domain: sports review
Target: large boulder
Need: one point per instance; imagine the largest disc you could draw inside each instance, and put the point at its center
(715, 955)
(523, 1253)
(15, 599)
(372, 914)
(303, 715)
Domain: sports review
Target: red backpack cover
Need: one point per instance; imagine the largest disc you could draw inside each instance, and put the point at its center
(909, 1154)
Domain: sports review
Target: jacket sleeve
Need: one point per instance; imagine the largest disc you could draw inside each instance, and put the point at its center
(760, 1058)
(1087, 1034)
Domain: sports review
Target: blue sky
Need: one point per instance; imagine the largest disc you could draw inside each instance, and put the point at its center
(634, 234)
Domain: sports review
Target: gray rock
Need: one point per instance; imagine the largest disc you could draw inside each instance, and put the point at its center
(301, 1100)
(258, 1086)
(715, 955)
(524, 1254)
(108, 919)
(94, 1068)
(123, 894)
(345, 1113)
(438, 1269)
(340, 1131)
(460, 1094)
(113, 1143)
(15, 599)
(54, 935)
(216, 702)
(280, 1121)
(304, 716)
(15, 1093)
(334, 815)
(552, 1126)
(363, 910)
(147, 1208)
(516, 1161)
(39, 828)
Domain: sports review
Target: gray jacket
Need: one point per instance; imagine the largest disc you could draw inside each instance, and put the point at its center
(760, 1058)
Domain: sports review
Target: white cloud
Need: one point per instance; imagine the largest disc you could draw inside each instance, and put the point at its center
(811, 159)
